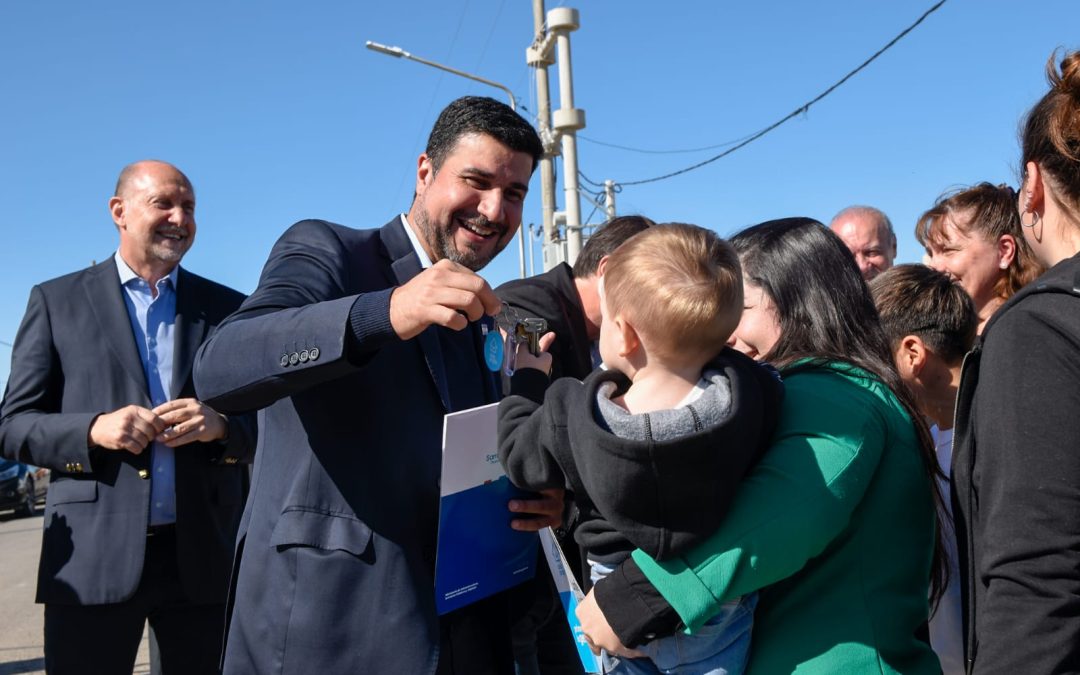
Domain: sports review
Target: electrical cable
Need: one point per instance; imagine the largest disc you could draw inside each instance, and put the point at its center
(591, 213)
(804, 108)
(661, 152)
(487, 41)
(582, 175)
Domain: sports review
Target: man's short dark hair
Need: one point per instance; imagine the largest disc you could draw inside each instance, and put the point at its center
(605, 240)
(481, 115)
(917, 300)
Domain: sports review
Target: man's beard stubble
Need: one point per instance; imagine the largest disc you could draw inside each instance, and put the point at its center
(442, 243)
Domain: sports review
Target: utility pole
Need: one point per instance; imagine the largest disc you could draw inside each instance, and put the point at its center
(538, 56)
(566, 121)
(609, 199)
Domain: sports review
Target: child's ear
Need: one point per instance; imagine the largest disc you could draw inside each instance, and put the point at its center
(601, 266)
(627, 337)
(910, 357)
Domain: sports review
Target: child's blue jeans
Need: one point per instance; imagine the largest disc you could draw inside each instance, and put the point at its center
(720, 647)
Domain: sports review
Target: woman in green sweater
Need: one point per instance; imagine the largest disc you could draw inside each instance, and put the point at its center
(836, 526)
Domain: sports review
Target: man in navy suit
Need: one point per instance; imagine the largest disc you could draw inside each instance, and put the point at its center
(148, 483)
(355, 344)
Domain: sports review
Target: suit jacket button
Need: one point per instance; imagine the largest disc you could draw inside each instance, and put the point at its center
(78, 467)
(313, 353)
(284, 360)
(304, 356)
(294, 359)
(67, 467)
(144, 474)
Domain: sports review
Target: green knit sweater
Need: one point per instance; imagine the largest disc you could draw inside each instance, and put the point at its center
(834, 526)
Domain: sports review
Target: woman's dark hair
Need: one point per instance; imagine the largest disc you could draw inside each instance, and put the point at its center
(826, 315)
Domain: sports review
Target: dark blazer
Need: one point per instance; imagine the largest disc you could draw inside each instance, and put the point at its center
(75, 358)
(554, 297)
(1016, 482)
(335, 559)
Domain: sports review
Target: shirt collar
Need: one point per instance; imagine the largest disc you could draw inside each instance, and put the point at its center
(127, 274)
(425, 261)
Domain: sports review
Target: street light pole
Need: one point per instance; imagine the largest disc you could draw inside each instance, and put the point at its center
(538, 56)
(401, 53)
(567, 120)
(398, 52)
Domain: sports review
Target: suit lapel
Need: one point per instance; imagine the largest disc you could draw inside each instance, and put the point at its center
(404, 266)
(104, 295)
(189, 331)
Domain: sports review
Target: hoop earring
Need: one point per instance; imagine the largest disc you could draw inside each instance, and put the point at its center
(1034, 219)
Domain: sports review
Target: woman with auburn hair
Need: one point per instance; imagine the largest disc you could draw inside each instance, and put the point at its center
(1016, 453)
(836, 523)
(973, 235)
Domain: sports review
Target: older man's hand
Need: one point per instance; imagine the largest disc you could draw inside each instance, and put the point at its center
(188, 421)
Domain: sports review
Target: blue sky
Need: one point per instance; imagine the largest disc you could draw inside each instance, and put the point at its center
(277, 111)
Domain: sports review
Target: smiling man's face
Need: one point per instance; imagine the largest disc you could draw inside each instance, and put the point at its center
(470, 208)
(155, 213)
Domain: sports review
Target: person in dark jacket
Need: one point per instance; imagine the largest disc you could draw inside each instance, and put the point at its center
(842, 573)
(148, 482)
(355, 345)
(568, 300)
(653, 447)
(1016, 453)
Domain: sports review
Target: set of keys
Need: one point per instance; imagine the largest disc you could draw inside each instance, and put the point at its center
(500, 347)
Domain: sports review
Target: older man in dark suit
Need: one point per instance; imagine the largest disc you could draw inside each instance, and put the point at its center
(148, 483)
(357, 342)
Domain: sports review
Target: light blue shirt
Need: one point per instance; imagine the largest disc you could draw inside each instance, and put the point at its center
(153, 322)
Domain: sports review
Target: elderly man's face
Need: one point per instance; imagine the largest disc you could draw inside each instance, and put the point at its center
(470, 208)
(155, 215)
(871, 245)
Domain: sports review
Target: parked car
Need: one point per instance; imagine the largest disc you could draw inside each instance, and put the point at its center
(22, 486)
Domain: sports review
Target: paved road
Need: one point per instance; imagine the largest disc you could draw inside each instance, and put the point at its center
(21, 619)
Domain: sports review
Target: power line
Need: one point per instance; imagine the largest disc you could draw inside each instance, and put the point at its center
(487, 41)
(588, 180)
(7, 344)
(662, 152)
(798, 111)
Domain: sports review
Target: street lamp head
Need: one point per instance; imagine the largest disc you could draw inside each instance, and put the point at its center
(383, 49)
